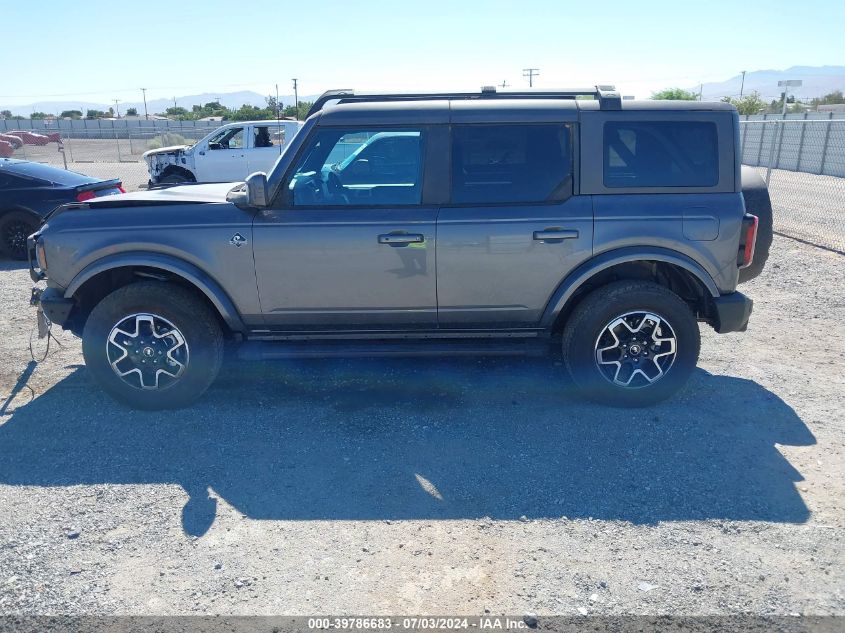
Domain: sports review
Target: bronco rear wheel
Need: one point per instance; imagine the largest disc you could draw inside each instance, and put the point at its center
(631, 343)
(153, 345)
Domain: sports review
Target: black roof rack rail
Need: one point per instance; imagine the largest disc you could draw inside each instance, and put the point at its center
(607, 96)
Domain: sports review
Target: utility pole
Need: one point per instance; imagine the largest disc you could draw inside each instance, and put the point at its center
(700, 91)
(174, 102)
(296, 97)
(504, 84)
(117, 107)
(146, 116)
(742, 85)
(530, 73)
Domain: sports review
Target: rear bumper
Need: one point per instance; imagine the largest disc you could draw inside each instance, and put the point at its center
(53, 303)
(732, 312)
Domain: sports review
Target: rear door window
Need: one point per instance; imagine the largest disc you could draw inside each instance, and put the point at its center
(500, 164)
(660, 154)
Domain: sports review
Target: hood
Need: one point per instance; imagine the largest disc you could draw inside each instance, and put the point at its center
(213, 192)
(173, 149)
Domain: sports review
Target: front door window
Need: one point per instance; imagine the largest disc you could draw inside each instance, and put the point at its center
(372, 168)
(231, 138)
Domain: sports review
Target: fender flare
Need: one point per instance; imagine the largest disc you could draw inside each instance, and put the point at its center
(585, 271)
(179, 267)
(14, 207)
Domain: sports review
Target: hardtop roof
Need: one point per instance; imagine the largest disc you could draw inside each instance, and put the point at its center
(500, 110)
(604, 98)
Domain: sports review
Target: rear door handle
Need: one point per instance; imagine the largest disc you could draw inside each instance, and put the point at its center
(401, 239)
(556, 234)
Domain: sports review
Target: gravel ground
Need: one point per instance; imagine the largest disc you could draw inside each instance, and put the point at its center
(437, 487)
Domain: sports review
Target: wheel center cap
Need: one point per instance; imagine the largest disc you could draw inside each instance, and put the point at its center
(148, 352)
(635, 349)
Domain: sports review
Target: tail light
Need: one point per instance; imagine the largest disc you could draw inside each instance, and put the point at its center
(82, 196)
(747, 240)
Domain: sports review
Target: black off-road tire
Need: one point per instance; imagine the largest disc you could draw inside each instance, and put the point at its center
(181, 307)
(15, 227)
(175, 179)
(598, 309)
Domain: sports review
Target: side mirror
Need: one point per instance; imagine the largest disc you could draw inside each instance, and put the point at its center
(256, 190)
(252, 194)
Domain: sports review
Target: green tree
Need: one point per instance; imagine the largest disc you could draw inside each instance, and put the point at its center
(677, 94)
(131, 111)
(751, 103)
(71, 114)
(829, 99)
(302, 113)
(39, 115)
(177, 111)
(6, 114)
(250, 112)
(94, 114)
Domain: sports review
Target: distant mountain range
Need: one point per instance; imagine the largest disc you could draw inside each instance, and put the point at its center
(818, 81)
(228, 99)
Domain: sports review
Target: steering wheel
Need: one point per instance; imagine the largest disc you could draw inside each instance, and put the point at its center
(310, 190)
(334, 187)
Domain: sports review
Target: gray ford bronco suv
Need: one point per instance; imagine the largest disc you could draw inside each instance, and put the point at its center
(426, 224)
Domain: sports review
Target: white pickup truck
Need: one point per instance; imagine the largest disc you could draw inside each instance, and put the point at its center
(230, 153)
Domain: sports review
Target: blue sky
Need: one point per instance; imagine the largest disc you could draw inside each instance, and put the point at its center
(98, 51)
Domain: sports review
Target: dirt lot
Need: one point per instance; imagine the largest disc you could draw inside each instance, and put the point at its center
(437, 487)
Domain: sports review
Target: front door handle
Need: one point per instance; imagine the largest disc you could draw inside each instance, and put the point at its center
(555, 235)
(401, 239)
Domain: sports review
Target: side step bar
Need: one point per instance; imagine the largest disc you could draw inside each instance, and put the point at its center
(277, 350)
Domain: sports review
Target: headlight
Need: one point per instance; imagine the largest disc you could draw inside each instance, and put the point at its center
(41, 256)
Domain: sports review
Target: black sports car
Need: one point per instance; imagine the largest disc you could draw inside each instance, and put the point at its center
(29, 191)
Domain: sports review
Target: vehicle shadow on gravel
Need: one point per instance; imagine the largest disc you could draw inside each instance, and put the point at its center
(422, 439)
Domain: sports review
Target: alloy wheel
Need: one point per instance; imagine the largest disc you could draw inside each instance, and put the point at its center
(14, 236)
(636, 349)
(147, 351)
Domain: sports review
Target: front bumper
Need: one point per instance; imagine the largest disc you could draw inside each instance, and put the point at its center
(732, 312)
(56, 308)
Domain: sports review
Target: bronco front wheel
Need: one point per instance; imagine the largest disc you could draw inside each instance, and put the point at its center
(153, 345)
(631, 343)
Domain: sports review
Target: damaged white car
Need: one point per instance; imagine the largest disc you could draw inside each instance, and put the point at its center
(230, 153)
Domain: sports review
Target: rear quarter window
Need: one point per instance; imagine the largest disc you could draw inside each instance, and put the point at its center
(660, 154)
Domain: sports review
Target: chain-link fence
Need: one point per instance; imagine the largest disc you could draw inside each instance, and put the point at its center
(803, 162)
